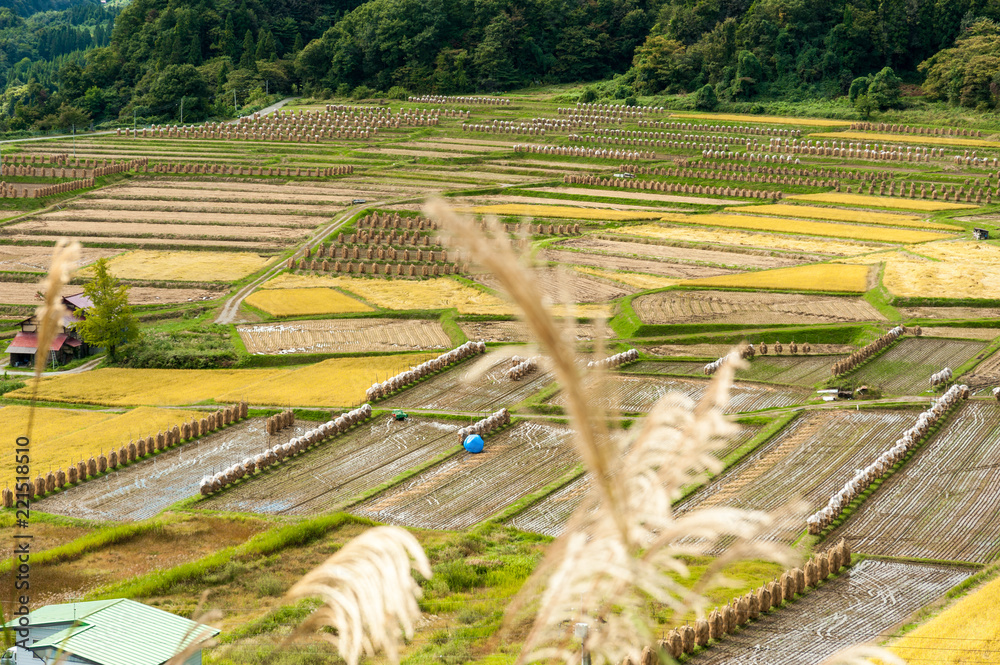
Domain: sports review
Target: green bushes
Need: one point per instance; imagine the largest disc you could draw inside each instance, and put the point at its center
(202, 348)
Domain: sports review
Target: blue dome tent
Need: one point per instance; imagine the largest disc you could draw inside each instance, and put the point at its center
(473, 443)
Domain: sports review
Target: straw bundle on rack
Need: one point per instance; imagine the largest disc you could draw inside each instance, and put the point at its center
(764, 599)
(742, 611)
(728, 619)
(91, 467)
(61, 479)
(82, 469)
(176, 431)
(112, 459)
(824, 566)
(674, 646)
(196, 428)
(800, 580)
(123, 455)
(102, 463)
(186, 431)
(161, 440)
(753, 605)
(212, 424)
(776, 596)
(39, 486)
(788, 585)
(203, 427)
(716, 628)
(833, 555)
(244, 409)
(28, 489)
(702, 632)
(50, 482)
(8, 497)
(812, 574)
(687, 638)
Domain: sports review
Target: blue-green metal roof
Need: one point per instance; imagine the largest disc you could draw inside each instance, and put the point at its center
(118, 632)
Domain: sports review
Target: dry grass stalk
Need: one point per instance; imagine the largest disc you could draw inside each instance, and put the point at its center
(199, 636)
(624, 539)
(368, 592)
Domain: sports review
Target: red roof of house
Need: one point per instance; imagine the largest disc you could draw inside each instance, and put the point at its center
(28, 342)
(79, 301)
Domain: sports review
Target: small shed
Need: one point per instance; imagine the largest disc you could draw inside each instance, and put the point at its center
(981, 234)
(109, 632)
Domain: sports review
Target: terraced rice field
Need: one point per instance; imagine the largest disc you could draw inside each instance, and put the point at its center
(750, 308)
(466, 489)
(853, 216)
(761, 241)
(906, 367)
(26, 293)
(787, 468)
(788, 370)
(826, 229)
(304, 302)
(550, 514)
(637, 394)
(343, 336)
(860, 605)
(465, 390)
(517, 331)
(821, 277)
(143, 489)
(945, 502)
(650, 266)
(564, 286)
(15, 258)
(560, 212)
(327, 478)
(684, 254)
(862, 201)
(185, 266)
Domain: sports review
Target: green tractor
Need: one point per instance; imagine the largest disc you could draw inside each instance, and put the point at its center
(399, 414)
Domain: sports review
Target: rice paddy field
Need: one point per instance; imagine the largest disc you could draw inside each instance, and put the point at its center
(678, 252)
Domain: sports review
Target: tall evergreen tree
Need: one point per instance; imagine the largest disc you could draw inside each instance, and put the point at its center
(247, 60)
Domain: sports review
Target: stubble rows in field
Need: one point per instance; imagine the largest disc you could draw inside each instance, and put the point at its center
(344, 335)
(250, 217)
(517, 331)
(603, 261)
(667, 252)
(111, 232)
(22, 258)
(467, 489)
(797, 370)
(945, 503)
(18, 293)
(860, 605)
(550, 514)
(905, 369)
(564, 286)
(750, 308)
(341, 469)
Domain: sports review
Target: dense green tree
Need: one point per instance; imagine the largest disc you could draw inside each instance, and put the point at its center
(110, 322)
(706, 99)
(967, 74)
(248, 57)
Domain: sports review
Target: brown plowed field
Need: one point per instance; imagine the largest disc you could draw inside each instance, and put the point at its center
(16, 293)
(331, 475)
(641, 195)
(549, 515)
(750, 308)
(265, 246)
(157, 230)
(637, 394)
(458, 390)
(945, 502)
(861, 605)
(207, 194)
(142, 490)
(678, 270)
(808, 461)
(466, 489)
(563, 286)
(344, 336)
(19, 258)
(249, 217)
(515, 331)
(213, 207)
(453, 146)
(949, 313)
(643, 250)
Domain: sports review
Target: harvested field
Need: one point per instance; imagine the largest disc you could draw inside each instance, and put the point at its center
(787, 370)
(637, 394)
(185, 266)
(466, 391)
(245, 196)
(862, 201)
(18, 293)
(853, 216)
(986, 375)
(906, 368)
(945, 502)
(467, 489)
(434, 293)
(493, 199)
(750, 308)
(344, 335)
(143, 489)
(686, 254)
(38, 259)
(550, 514)
(634, 279)
(251, 218)
(516, 331)
(328, 478)
(861, 605)
(922, 139)
(807, 227)
(640, 195)
(249, 211)
(675, 270)
(984, 334)
(949, 312)
(564, 286)
(749, 239)
(819, 277)
(784, 470)
(967, 277)
(304, 302)
(560, 211)
(718, 350)
(158, 244)
(742, 118)
(159, 231)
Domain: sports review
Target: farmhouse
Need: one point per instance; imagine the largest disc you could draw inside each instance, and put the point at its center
(66, 344)
(106, 632)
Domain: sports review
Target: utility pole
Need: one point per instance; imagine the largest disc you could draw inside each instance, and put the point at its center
(267, 87)
(182, 109)
(74, 141)
(133, 121)
(235, 107)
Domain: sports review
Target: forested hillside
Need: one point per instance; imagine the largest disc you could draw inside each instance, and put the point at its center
(92, 62)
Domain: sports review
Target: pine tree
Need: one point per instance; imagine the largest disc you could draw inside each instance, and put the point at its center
(247, 60)
(299, 44)
(110, 321)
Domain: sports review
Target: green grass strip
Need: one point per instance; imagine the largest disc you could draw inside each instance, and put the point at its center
(89, 543)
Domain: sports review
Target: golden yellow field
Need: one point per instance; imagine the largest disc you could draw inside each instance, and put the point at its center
(842, 215)
(185, 266)
(335, 382)
(819, 277)
(773, 119)
(966, 632)
(288, 280)
(136, 387)
(63, 436)
(302, 302)
(569, 212)
(829, 229)
(863, 200)
(748, 239)
(961, 269)
(434, 293)
(636, 279)
(909, 138)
